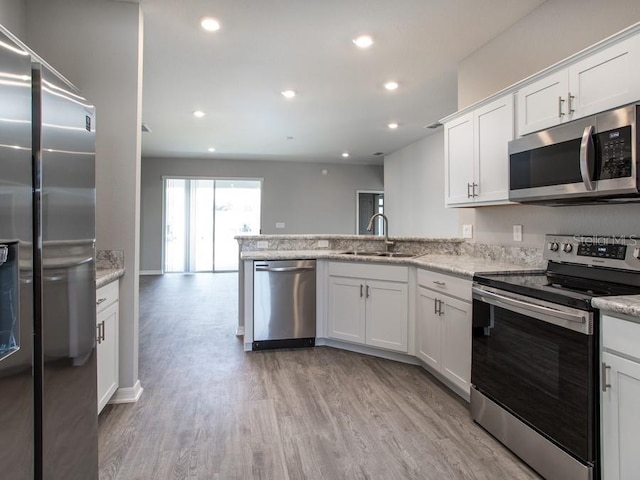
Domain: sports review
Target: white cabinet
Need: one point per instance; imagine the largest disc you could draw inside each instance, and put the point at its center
(368, 304)
(107, 350)
(600, 81)
(444, 327)
(476, 155)
(620, 399)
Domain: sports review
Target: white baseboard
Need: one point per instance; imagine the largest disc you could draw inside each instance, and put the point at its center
(240, 331)
(127, 395)
(150, 272)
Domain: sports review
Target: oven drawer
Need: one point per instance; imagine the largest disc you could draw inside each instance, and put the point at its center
(447, 284)
(622, 336)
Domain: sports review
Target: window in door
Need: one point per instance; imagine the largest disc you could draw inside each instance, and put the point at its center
(202, 217)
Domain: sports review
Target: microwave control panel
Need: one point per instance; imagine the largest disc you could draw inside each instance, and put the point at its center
(614, 147)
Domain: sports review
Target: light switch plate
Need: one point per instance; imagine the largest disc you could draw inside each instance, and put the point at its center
(323, 243)
(279, 224)
(262, 244)
(467, 231)
(517, 233)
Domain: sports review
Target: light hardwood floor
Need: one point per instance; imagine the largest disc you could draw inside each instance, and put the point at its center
(210, 411)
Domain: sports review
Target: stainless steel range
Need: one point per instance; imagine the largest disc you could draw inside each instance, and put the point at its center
(535, 358)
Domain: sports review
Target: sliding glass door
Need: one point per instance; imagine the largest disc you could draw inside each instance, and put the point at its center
(201, 219)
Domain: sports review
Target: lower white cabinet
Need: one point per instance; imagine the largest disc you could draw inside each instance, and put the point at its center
(444, 327)
(620, 405)
(107, 349)
(364, 309)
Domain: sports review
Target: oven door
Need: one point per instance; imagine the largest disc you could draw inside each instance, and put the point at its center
(536, 360)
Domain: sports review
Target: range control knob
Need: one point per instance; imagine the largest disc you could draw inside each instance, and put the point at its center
(553, 246)
(636, 253)
(567, 247)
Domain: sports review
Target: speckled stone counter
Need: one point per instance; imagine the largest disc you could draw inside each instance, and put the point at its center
(461, 265)
(109, 266)
(622, 305)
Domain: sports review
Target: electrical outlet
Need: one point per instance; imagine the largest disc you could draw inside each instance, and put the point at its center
(467, 231)
(279, 224)
(517, 233)
(262, 244)
(323, 243)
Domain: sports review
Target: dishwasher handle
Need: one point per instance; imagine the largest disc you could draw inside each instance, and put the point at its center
(265, 268)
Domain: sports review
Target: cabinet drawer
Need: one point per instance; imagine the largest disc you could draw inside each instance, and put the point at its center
(621, 336)
(447, 284)
(107, 295)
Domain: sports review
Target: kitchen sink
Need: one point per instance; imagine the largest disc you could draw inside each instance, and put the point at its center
(364, 253)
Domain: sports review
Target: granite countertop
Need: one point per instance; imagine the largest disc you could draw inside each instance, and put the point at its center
(461, 265)
(628, 305)
(105, 276)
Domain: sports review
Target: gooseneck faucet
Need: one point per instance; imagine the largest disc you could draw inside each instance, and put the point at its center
(387, 243)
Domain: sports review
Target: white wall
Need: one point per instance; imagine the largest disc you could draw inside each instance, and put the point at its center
(98, 46)
(13, 17)
(414, 190)
(554, 31)
(297, 194)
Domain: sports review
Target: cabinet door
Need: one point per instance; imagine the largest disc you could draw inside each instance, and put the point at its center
(107, 353)
(493, 124)
(621, 418)
(456, 342)
(347, 309)
(386, 316)
(543, 103)
(429, 324)
(458, 154)
(606, 79)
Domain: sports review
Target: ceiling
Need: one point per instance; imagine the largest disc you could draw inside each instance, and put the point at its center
(236, 75)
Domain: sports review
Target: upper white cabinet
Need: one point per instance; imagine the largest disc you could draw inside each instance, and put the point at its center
(368, 304)
(598, 82)
(476, 155)
(620, 398)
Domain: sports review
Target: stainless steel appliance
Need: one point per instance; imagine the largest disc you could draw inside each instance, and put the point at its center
(48, 399)
(535, 372)
(284, 304)
(590, 160)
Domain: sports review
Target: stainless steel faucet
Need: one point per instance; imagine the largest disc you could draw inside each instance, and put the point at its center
(387, 243)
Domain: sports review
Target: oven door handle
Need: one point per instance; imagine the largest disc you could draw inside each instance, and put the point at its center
(547, 314)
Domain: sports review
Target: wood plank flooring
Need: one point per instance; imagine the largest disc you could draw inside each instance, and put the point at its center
(210, 411)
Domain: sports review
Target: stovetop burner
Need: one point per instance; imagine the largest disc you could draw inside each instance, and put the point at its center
(579, 269)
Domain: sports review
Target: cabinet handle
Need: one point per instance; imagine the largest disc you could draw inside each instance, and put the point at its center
(367, 291)
(439, 283)
(605, 385)
(473, 190)
(100, 300)
(435, 306)
(440, 305)
(98, 334)
(361, 293)
(560, 102)
(571, 97)
(100, 327)
(469, 195)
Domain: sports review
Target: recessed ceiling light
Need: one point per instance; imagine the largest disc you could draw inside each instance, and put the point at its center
(345, 154)
(288, 93)
(199, 114)
(392, 125)
(363, 41)
(211, 149)
(391, 85)
(210, 24)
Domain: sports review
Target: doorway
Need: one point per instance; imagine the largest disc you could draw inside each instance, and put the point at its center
(369, 203)
(202, 216)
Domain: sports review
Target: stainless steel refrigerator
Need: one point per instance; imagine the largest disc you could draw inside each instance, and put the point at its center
(48, 404)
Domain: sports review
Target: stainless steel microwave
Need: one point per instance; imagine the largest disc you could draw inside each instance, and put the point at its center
(586, 161)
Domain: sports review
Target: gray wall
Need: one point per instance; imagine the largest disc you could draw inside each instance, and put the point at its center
(297, 194)
(557, 29)
(414, 190)
(13, 17)
(98, 46)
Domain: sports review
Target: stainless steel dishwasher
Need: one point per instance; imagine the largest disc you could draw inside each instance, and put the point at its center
(284, 304)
